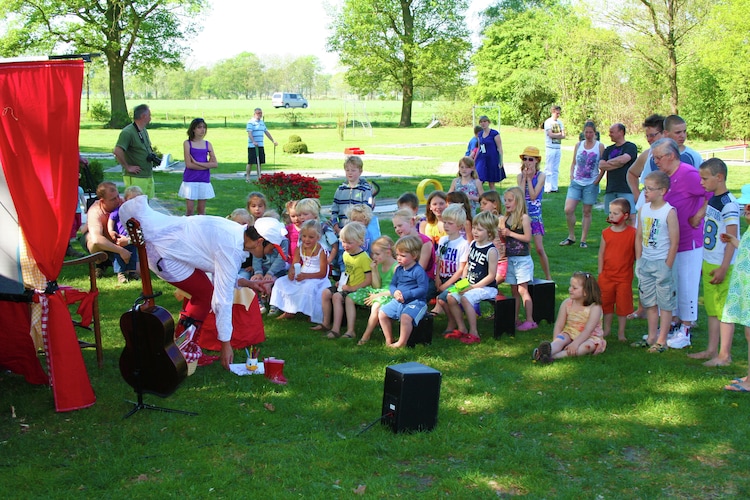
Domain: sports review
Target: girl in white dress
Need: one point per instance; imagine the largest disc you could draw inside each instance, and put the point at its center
(300, 290)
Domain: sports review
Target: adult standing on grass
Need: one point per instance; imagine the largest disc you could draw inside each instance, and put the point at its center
(489, 160)
(554, 133)
(256, 154)
(689, 198)
(133, 151)
(584, 183)
(615, 162)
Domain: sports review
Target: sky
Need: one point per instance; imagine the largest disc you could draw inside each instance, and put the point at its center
(290, 28)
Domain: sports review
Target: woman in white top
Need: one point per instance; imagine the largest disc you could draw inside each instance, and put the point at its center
(584, 183)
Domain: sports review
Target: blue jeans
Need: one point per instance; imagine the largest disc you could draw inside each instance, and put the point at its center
(119, 266)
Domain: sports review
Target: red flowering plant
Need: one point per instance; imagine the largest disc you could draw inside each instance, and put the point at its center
(280, 188)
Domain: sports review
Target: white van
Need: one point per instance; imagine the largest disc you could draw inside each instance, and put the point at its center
(287, 100)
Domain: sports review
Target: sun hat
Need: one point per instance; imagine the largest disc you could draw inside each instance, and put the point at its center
(271, 230)
(744, 198)
(531, 151)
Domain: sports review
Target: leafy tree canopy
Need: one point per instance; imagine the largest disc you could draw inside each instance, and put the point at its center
(145, 34)
(403, 44)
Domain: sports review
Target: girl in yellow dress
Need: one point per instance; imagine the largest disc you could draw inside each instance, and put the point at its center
(578, 329)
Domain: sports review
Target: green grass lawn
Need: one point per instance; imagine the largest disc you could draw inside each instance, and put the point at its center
(626, 424)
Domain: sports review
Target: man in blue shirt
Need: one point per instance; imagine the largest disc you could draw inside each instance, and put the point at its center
(256, 155)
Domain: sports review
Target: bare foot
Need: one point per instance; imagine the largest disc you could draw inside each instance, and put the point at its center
(363, 340)
(622, 339)
(395, 345)
(285, 315)
(717, 361)
(320, 327)
(702, 355)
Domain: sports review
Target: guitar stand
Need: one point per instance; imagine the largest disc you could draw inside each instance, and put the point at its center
(140, 405)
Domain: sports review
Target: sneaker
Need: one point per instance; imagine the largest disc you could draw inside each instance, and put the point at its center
(673, 328)
(274, 311)
(681, 338)
(121, 278)
(99, 273)
(72, 252)
(543, 353)
(526, 325)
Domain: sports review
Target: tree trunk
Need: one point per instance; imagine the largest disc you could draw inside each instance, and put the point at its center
(406, 101)
(119, 107)
(672, 76)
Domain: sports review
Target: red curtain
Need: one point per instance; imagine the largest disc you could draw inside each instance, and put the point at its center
(40, 105)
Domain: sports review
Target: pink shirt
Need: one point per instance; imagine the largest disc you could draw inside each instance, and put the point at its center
(687, 196)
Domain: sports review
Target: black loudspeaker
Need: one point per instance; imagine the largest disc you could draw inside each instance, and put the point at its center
(505, 316)
(422, 333)
(543, 297)
(411, 394)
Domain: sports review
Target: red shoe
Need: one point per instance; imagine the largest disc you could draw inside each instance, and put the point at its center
(455, 334)
(206, 359)
(470, 339)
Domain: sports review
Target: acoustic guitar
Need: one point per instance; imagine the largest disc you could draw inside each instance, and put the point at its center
(151, 361)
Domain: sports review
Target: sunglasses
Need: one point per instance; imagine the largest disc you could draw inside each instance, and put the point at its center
(529, 158)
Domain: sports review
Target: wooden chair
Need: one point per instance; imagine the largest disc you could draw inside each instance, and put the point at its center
(91, 260)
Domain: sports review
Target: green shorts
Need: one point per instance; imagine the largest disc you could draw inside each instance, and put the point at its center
(145, 183)
(714, 296)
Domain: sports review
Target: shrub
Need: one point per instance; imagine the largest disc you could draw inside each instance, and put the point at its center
(280, 187)
(100, 112)
(455, 114)
(295, 148)
(96, 171)
(295, 138)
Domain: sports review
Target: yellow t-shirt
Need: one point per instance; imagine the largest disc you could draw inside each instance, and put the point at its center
(357, 266)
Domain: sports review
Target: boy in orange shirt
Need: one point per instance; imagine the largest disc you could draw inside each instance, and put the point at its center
(616, 258)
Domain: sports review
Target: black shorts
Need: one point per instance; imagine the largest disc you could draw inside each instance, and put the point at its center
(251, 160)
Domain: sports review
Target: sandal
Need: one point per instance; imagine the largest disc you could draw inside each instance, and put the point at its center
(455, 334)
(363, 341)
(584, 244)
(640, 343)
(332, 334)
(657, 348)
(348, 335)
(567, 242)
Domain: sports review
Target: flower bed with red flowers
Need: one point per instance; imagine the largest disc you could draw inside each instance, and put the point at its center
(280, 188)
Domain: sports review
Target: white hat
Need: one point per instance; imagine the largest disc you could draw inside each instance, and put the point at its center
(271, 230)
(744, 199)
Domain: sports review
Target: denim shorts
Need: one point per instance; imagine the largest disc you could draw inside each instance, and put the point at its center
(580, 192)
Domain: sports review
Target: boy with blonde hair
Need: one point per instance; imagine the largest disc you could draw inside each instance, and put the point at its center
(357, 275)
(364, 214)
(656, 244)
(409, 290)
(452, 252)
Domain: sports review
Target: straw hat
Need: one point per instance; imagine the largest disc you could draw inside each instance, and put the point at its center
(531, 151)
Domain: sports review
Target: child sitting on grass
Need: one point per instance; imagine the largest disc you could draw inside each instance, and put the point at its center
(480, 273)
(578, 329)
(409, 291)
(357, 275)
(383, 266)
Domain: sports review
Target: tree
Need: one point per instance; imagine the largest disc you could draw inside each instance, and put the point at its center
(142, 33)
(402, 43)
(661, 29)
